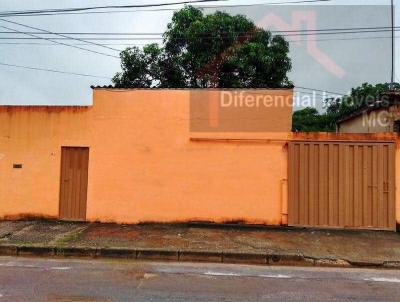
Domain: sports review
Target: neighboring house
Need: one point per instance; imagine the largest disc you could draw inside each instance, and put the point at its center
(383, 116)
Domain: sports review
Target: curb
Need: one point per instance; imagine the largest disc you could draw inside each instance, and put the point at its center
(190, 256)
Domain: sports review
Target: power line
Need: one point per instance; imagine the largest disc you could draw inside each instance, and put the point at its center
(143, 44)
(61, 43)
(361, 29)
(319, 90)
(93, 39)
(51, 44)
(348, 39)
(203, 36)
(165, 9)
(313, 90)
(90, 33)
(311, 94)
(57, 34)
(89, 8)
(132, 44)
(67, 12)
(304, 90)
(54, 71)
(334, 29)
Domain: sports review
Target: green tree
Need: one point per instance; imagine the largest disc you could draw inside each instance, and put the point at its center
(213, 50)
(309, 120)
(359, 98)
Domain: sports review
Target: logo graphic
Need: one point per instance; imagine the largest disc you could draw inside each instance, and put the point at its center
(309, 19)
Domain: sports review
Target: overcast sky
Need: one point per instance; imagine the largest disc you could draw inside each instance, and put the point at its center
(347, 60)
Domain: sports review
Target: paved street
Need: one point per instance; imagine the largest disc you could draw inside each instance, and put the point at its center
(37, 279)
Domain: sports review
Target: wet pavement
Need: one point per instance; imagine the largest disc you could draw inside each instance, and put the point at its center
(367, 246)
(38, 279)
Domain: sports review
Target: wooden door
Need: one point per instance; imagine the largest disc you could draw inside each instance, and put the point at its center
(342, 184)
(73, 183)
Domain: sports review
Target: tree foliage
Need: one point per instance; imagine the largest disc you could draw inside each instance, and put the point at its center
(359, 98)
(364, 96)
(213, 50)
(310, 120)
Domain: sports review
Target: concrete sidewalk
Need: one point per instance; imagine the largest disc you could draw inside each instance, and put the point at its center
(212, 243)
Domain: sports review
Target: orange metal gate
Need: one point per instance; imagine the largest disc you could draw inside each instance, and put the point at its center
(342, 184)
(73, 183)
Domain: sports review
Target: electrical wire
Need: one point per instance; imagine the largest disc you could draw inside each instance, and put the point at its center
(320, 90)
(57, 34)
(89, 8)
(165, 9)
(298, 89)
(144, 44)
(313, 90)
(61, 43)
(53, 70)
(54, 12)
(360, 29)
(209, 37)
(315, 93)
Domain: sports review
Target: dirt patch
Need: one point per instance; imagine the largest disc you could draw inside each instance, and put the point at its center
(42, 233)
(63, 298)
(132, 236)
(7, 228)
(111, 231)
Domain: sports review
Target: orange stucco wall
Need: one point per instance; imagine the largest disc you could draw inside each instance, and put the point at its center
(144, 162)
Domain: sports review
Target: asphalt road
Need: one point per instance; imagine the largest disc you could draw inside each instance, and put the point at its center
(37, 279)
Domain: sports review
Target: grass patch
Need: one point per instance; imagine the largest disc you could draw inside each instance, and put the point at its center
(69, 237)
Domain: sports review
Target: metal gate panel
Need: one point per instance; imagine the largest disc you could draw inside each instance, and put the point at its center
(73, 183)
(342, 184)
